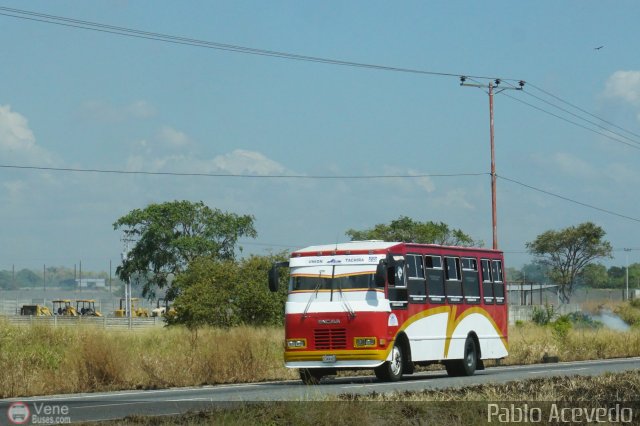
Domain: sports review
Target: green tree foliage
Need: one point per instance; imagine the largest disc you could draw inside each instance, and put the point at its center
(595, 275)
(28, 278)
(535, 272)
(514, 274)
(6, 281)
(616, 273)
(170, 235)
(568, 251)
(530, 273)
(226, 293)
(408, 230)
(618, 276)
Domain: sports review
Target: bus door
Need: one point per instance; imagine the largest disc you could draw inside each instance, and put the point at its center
(398, 284)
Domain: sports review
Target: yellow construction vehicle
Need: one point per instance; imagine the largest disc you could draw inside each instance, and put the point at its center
(87, 307)
(163, 309)
(64, 307)
(136, 311)
(35, 310)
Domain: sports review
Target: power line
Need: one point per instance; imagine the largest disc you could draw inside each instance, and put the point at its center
(129, 32)
(569, 199)
(582, 110)
(584, 119)
(573, 122)
(231, 175)
(309, 177)
(600, 126)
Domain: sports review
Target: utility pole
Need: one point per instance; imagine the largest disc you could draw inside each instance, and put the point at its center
(127, 289)
(491, 86)
(627, 250)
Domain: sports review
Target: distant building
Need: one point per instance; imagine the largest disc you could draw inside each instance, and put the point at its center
(91, 283)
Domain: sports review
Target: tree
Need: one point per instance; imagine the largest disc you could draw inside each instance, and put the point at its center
(634, 275)
(169, 236)
(28, 278)
(408, 230)
(535, 272)
(616, 276)
(514, 274)
(205, 295)
(595, 275)
(6, 281)
(568, 251)
(225, 293)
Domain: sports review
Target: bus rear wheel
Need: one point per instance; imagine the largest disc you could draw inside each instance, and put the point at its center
(391, 371)
(467, 365)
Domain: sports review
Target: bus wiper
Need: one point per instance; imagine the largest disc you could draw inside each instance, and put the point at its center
(345, 302)
(315, 293)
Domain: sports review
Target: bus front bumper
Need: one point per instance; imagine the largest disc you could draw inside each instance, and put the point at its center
(336, 358)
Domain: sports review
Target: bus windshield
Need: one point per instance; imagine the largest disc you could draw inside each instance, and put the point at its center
(331, 278)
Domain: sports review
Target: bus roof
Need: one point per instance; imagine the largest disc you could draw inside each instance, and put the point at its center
(373, 246)
(350, 246)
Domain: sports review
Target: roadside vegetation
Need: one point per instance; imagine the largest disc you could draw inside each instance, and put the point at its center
(453, 406)
(39, 360)
(629, 312)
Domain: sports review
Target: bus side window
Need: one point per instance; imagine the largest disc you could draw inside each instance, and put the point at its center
(453, 280)
(416, 284)
(498, 281)
(470, 280)
(399, 275)
(435, 279)
(397, 291)
(487, 282)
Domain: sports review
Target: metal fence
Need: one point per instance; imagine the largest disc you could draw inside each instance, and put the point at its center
(111, 323)
(10, 305)
(525, 313)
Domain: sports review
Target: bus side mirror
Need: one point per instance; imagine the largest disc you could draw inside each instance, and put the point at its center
(274, 277)
(381, 273)
(385, 272)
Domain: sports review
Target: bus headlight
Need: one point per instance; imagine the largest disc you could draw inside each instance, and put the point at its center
(296, 343)
(364, 342)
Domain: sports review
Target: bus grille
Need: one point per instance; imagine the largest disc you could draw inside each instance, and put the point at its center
(330, 338)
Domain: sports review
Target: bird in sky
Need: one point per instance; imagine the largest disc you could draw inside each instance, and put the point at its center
(598, 48)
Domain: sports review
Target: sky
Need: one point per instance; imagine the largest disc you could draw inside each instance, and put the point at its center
(75, 99)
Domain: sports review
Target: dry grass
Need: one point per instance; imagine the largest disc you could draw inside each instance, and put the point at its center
(455, 406)
(629, 312)
(528, 343)
(604, 388)
(39, 360)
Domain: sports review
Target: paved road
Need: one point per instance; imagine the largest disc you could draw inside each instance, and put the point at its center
(115, 405)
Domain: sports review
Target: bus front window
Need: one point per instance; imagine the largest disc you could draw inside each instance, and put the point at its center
(344, 282)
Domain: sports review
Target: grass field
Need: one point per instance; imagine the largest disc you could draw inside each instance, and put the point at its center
(456, 406)
(39, 360)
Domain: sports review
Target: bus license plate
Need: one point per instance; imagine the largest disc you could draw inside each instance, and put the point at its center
(328, 358)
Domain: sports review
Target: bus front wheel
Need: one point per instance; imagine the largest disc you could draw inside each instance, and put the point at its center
(311, 376)
(467, 365)
(391, 371)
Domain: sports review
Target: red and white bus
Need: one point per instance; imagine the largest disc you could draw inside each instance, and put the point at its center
(390, 306)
